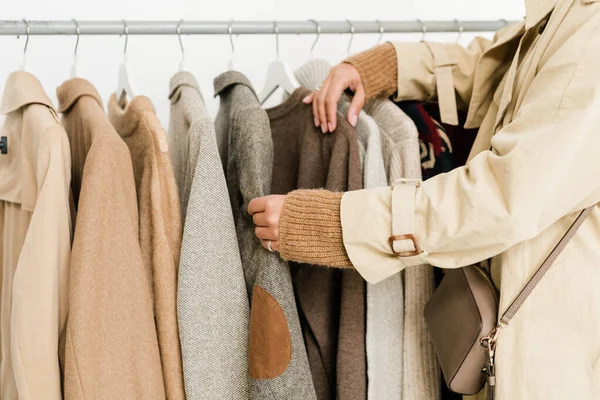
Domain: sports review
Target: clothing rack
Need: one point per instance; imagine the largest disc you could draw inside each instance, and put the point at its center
(182, 27)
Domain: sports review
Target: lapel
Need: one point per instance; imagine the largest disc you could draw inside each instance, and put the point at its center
(536, 10)
(493, 63)
(489, 72)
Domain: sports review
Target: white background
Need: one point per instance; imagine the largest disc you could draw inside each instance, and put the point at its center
(154, 59)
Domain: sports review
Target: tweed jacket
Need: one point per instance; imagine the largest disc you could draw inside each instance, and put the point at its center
(35, 241)
(278, 364)
(419, 370)
(159, 221)
(331, 302)
(533, 93)
(212, 301)
(187, 107)
(110, 341)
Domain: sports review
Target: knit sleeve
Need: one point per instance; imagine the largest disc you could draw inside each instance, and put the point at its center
(378, 69)
(310, 230)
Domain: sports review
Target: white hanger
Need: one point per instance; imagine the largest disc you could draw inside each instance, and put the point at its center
(423, 30)
(312, 48)
(24, 66)
(125, 87)
(460, 30)
(73, 73)
(351, 36)
(279, 75)
(182, 62)
(381, 32)
(231, 62)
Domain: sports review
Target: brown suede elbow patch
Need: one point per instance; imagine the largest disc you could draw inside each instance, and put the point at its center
(270, 349)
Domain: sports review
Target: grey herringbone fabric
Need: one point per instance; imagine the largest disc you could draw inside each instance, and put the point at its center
(246, 148)
(420, 373)
(212, 300)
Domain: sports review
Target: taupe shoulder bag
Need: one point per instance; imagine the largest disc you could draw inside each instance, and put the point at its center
(462, 316)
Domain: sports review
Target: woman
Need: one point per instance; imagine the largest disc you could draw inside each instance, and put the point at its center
(534, 94)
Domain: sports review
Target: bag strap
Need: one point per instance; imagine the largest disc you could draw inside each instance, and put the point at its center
(539, 274)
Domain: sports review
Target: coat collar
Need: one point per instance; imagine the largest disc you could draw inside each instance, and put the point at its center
(179, 80)
(231, 78)
(536, 10)
(70, 91)
(125, 119)
(21, 89)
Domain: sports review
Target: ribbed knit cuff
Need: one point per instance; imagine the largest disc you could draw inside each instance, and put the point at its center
(310, 229)
(378, 69)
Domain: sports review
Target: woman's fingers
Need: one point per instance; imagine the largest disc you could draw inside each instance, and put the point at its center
(315, 107)
(325, 100)
(266, 212)
(358, 102)
(260, 219)
(257, 205)
(332, 98)
(321, 106)
(274, 244)
(266, 233)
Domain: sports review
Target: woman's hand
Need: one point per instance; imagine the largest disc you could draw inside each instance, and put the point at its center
(266, 212)
(324, 101)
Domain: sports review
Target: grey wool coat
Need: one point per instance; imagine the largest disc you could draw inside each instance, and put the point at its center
(212, 301)
(278, 363)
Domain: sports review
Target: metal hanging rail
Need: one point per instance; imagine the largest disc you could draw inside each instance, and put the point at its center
(116, 27)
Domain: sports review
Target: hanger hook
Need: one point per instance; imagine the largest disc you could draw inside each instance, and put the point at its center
(180, 42)
(126, 28)
(352, 30)
(230, 32)
(423, 30)
(77, 42)
(381, 31)
(276, 30)
(27, 30)
(461, 29)
(318, 27)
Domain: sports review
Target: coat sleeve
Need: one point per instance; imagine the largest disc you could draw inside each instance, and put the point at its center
(39, 309)
(542, 168)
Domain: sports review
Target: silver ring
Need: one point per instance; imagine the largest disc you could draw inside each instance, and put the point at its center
(269, 246)
(319, 87)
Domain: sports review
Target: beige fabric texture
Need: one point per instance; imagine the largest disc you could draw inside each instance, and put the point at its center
(35, 241)
(533, 94)
(109, 347)
(159, 223)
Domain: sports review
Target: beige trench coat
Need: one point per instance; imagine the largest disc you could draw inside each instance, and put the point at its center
(535, 94)
(35, 241)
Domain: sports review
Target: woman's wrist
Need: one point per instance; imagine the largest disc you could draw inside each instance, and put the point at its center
(378, 69)
(310, 229)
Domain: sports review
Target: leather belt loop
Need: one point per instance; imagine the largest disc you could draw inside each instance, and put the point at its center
(403, 241)
(446, 94)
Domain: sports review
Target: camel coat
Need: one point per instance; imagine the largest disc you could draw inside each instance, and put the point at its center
(110, 342)
(159, 224)
(534, 92)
